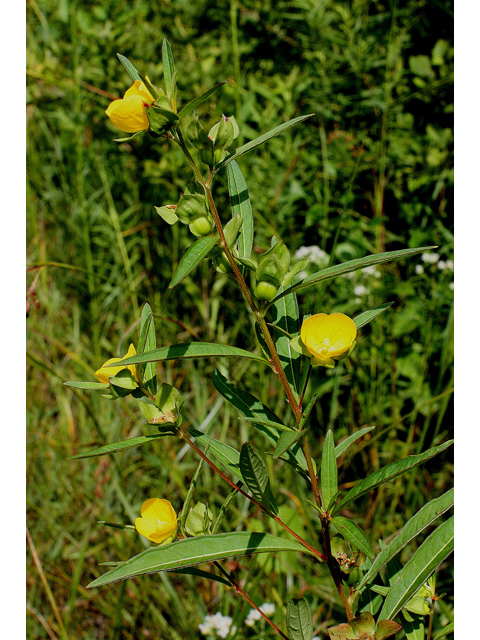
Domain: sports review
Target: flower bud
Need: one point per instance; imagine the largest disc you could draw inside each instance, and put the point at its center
(201, 226)
(222, 133)
(265, 291)
(198, 136)
(199, 520)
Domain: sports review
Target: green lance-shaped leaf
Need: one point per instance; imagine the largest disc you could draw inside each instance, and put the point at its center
(287, 439)
(343, 446)
(167, 213)
(193, 571)
(90, 386)
(193, 104)
(352, 532)
(223, 453)
(434, 550)
(388, 473)
(299, 620)
(147, 342)
(193, 350)
(414, 629)
(329, 478)
(168, 68)
(133, 73)
(422, 519)
(250, 407)
(347, 267)
(286, 318)
(445, 631)
(138, 134)
(192, 258)
(260, 140)
(367, 316)
(198, 550)
(241, 205)
(115, 447)
(255, 473)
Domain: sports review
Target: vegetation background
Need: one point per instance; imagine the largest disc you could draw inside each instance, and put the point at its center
(372, 171)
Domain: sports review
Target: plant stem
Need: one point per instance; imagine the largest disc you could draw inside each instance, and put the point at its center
(334, 570)
(277, 519)
(244, 595)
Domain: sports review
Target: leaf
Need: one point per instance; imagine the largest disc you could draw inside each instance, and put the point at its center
(192, 258)
(445, 631)
(193, 104)
(138, 134)
(387, 628)
(241, 205)
(260, 140)
(255, 473)
(414, 629)
(147, 342)
(287, 319)
(198, 550)
(421, 565)
(168, 68)
(347, 267)
(224, 453)
(343, 446)
(167, 213)
(307, 411)
(193, 571)
(299, 619)
(422, 519)
(286, 440)
(267, 423)
(388, 473)
(133, 73)
(329, 479)
(193, 350)
(92, 386)
(250, 407)
(119, 446)
(352, 532)
(367, 316)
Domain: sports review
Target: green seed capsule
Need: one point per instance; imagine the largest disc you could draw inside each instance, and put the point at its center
(201, 226)
(265, 291)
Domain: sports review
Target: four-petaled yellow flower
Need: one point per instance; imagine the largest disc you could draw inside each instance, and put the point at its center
(158, 521)
(130, 113)
(105, 372)
(327, 337)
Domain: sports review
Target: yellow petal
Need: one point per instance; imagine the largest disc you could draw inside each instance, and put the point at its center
(129, 114)
(158, 521)
(328, 336)
(105, 372)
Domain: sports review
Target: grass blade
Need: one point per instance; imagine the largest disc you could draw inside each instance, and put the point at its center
(198, 550)
(192, 258)
(421, 565)
(388, 473)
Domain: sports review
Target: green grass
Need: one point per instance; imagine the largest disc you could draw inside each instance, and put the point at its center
(372, 171)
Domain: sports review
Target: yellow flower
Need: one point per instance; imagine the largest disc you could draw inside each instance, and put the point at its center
(105, 372)
(130, 113)
(158, 521)
(327, 337)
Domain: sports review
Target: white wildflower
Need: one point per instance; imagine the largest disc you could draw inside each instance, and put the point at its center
(360, 290)
(314, 253)
(441, 264)
(450, 286)
(220, 624)
(207, 626)
(253, 616)
(431, 258)
(268, 609)
(419, 269)
(449, 265)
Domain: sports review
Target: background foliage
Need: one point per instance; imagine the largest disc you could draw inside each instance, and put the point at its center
(374, 166)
